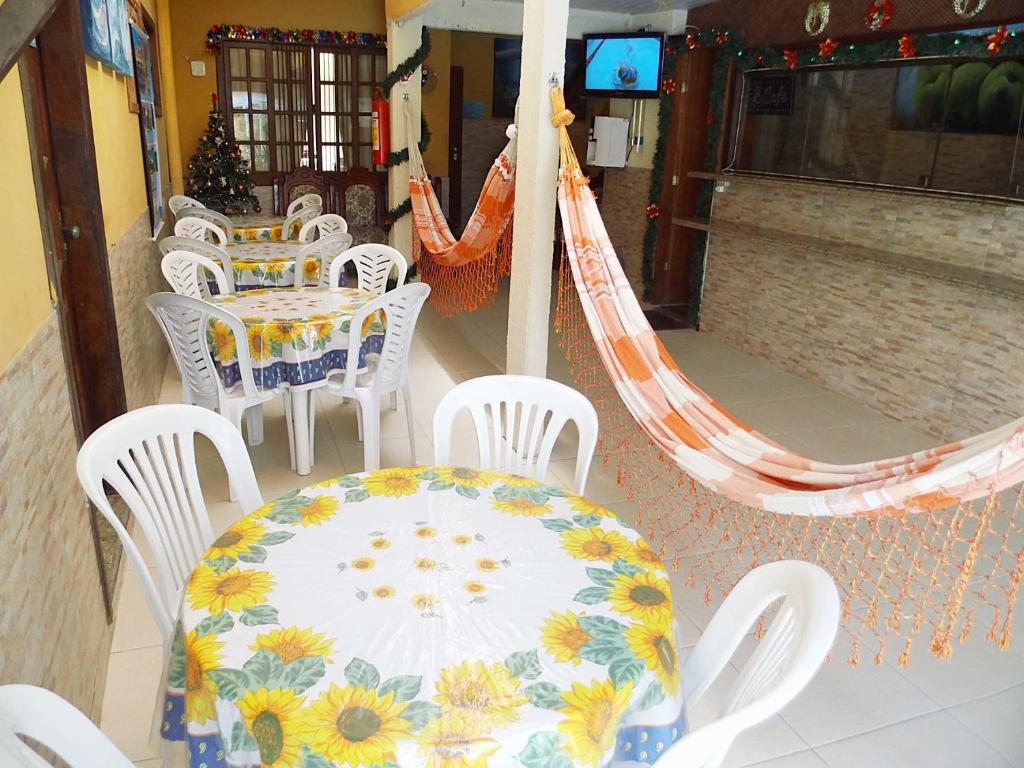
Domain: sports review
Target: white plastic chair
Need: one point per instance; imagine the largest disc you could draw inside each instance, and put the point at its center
(781, 665)
(200, 229)
(321, 226)
(518, 419)
(202, 248)
(187, 273)
(212, 216)
(52, 722)
(325, 250)
(388, 374)
(303, 201)
(375, 263)
(148, 457)
(184, 321)
(301, 216)
(178, 203)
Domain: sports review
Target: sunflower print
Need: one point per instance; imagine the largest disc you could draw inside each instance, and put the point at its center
(585, 506)
(522, 507)
(322, 326)
(363, 563)
(451, 742)
(380, 543)
(384, 592)
(486, 564)
(592, 715)
(641, 554)
(259, 342)
(283, 331)
(518, 481)
(392, 483)
(291, 644)
(425, 532)
(483, 696)
(222, 339)
(563, 636)
(273, 719)
(466, 477)
(424, 602)
(475, 587)
(236, 540)
(595, 544)
(233, 590)
(318, 511)
(643, 596)
(424, 564)
(654, 645)
(354, 726)
(311, 270)
(201, 655)
(462, 539)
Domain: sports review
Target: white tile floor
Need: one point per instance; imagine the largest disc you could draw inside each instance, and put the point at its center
(960, 714)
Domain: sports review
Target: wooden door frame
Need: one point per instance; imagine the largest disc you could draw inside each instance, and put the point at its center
(79, 267)
(455, 148)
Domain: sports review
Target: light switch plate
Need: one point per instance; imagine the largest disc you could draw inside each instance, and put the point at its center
(198, 68)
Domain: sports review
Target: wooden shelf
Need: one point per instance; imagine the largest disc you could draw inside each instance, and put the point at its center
(705, 176)
(702, 224)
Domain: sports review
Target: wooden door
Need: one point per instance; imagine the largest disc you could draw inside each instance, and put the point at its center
(455, 96)
(679, 236)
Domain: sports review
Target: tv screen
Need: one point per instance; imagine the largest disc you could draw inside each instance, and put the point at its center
(624, 65)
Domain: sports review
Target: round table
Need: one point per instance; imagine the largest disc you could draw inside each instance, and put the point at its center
(269, 264)
(260, 227)
(297, 337)
(437, 616)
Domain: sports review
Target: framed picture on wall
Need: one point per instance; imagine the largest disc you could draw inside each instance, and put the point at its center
(146, 94)
(96, 29)
(120, 41)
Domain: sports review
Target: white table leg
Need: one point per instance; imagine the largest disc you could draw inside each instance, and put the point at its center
(300, 424)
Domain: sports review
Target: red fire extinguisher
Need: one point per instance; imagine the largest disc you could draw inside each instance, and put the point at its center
(380, 128)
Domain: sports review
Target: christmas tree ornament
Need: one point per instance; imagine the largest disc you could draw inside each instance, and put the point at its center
(968, 9)
(817, 17)
(879, 15)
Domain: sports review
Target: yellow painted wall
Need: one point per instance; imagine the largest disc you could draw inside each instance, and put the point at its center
(474, 52)
(24, 291)
(192, 19)
(435, 103)
(396, 9)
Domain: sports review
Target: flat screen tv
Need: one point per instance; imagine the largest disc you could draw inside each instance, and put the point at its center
(624, 65)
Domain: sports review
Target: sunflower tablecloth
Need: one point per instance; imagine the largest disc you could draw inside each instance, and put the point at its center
(269, 265)
(260, 227)
(297, 336)
(443, 617)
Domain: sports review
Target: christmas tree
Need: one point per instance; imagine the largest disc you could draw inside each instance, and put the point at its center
(218, 177)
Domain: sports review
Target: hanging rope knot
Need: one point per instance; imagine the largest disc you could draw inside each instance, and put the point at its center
(563, 118)
(511, 132)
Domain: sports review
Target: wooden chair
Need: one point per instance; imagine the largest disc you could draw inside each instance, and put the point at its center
(302, 181)
(360, 196)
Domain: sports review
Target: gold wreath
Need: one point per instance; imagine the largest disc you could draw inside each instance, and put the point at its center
(968, 9)
(816, 20)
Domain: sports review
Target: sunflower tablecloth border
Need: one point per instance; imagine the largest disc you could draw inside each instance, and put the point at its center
(437, 616)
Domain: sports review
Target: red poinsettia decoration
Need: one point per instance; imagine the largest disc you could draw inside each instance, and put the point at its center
(996, 40)
(691, 41)
(827, 47)
(907, 48)
(653, 211)
(722, 37)
(759, 60)
(879, 15)
(792, 58)
(669, 85)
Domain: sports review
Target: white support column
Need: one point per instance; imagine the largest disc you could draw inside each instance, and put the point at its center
(404, 37)
(545, 23)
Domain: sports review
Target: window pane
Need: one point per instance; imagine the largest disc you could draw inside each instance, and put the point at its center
(345, 67)
(327, 98)
(364, 129)
(298, 62)
(345, 99)
(246, 152)
(239, 94)
(282, 125)
(237, 58)
(365, 157)
(299, 97)
(284, 157)
(326, 66)
(346, 129)
(350, 152)
(381, 68)
(329, 158)
(262, 157)
(240, 122)
(301, 134)
(365, 66)
(261, 127)
(280, 65)
(328, 128)
(280, 97)
(365, 98)
(259, 95)
(257, 62)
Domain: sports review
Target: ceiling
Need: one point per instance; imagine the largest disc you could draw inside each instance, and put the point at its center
(635, 7)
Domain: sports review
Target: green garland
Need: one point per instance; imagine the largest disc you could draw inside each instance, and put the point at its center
(1001, 44)
(406, 69)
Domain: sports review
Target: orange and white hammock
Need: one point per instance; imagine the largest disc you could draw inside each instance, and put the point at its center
(711, 445)
(463, 273)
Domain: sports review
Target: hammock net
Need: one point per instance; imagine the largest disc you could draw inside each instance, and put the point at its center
(931, 543)
(463, 273)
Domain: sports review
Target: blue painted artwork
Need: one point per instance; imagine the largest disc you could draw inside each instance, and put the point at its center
(96, 29)
(120, 41)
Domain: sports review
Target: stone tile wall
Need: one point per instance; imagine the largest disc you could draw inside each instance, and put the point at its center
(53, 628)
(134, 275)
(623, 207)
(941, 355)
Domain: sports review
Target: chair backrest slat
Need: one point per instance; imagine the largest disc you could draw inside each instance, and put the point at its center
(518, 419)
(189, 274)
(324, 250)
(178, 203)
(147, 457)
(375, 263)
(322, 225)
(200, 229)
